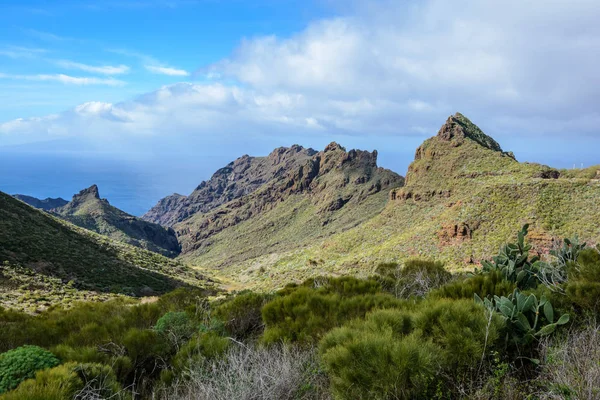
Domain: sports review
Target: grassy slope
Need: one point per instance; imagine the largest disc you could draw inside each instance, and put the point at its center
(480, 187)
(35, 244)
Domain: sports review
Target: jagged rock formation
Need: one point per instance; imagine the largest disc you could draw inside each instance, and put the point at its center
(89, 211)
(239, 178)
(45, 204)
(281, 201)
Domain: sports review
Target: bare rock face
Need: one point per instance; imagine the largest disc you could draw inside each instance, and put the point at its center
(456, 233)
(237, 179)
(458, 127)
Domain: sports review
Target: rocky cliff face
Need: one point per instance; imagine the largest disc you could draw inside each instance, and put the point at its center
(239, 178)
(45, 204)
(89, 211)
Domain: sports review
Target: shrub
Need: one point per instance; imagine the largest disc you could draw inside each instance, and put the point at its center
(68, 381)
(201, 346)
(58, 383)
(484, 285)
(583, 287)
(400, 354)
(242, 314)
(99, 382)
(176, 326)
(305, 314)
(373, 359)
(464, 331)
(21, 363)
(416, 278)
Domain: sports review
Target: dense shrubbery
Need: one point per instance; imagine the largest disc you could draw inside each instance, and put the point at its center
(410, 331)
(305, 313)
(22, 363)
(395, 354)
(242, 314)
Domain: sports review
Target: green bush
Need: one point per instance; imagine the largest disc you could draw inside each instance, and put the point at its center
(70, 381)
(22, 363)
(304, 314)
(242, 314)
(583, 286)
(176, 326)
(58, 383)
(201, 346)
(376, 364)
(487, 284)
(401, 354)
(463, 330)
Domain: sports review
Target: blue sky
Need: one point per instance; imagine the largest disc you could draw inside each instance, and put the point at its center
(193, 84)
(139, 43)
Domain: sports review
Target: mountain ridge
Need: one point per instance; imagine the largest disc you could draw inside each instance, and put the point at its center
(44, 204)
(87, 210)
(463, 196)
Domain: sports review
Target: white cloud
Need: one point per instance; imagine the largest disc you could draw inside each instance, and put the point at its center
(104, 70)
(66, 79)
(166, 70)
(393, 68)
(21, 52)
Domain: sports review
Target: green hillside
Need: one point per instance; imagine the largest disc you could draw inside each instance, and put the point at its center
(41, 254)
(463, 197)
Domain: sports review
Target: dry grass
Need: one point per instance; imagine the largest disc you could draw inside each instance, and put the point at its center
(572, 369)
(254, 373)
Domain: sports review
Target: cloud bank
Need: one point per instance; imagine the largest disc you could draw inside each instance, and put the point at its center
(524, 69)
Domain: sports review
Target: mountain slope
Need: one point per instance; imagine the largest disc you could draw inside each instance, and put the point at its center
(45, 204)
(463, 198)
(35, 244)
(287, 200)
(239, 178)
(89, 211)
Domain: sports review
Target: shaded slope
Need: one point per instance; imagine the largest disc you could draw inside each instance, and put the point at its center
(89, 211)
(44, 245)
(45, 204)
(463, 198)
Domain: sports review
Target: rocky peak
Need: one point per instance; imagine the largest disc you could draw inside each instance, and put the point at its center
(458, 127)
(89, 193)
(284, 154)
(333, 146)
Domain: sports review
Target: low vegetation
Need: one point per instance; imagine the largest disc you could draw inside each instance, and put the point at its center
(519, 327)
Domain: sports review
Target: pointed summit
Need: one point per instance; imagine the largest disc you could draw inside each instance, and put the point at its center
(92, 192)
(458, 127)
(334, 146)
